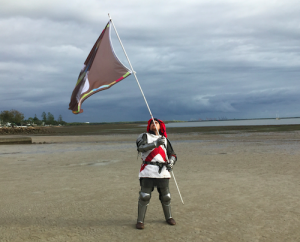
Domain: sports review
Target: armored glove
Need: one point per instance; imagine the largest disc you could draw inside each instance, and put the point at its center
(160, 141)
(143, 146)
(171, 163)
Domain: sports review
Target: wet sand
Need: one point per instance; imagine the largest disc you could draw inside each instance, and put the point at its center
(236, 187)
(14, 139)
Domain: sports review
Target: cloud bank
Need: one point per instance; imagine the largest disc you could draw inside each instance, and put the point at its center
(194, 59)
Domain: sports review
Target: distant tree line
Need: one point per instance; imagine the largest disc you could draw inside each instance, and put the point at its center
(15, 117)
(49, 119)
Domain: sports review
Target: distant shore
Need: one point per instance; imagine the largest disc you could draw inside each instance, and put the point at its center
(137, 128)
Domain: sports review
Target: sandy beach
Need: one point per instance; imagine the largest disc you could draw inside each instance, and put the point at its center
(237, 186)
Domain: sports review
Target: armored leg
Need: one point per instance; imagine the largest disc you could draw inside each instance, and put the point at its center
(144, 199)
(165, 198)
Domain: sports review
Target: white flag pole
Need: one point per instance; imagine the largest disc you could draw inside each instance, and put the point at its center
(134, 73)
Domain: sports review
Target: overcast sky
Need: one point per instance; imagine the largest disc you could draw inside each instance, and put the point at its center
(194, 59)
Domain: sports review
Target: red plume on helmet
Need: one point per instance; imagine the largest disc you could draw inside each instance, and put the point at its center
(162, 130)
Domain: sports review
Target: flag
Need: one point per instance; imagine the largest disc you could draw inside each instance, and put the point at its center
(102, 69)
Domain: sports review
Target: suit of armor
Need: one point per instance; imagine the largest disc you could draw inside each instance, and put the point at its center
(157, 155)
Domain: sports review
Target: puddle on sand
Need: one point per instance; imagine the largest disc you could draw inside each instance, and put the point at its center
(97, 163)
(11, 153)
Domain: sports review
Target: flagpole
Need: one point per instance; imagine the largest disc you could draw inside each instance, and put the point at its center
(134, 73)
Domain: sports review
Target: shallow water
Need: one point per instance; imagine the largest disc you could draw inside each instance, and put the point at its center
(235, 123)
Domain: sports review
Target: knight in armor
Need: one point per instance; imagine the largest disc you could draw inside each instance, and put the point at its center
(158, 160)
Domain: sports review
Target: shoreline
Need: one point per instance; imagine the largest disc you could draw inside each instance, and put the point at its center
(112, 132)
(114, 129)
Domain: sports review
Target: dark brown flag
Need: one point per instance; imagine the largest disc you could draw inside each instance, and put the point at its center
(102, 69)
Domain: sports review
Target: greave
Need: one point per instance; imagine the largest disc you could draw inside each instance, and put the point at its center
(165, 198)
(167, 209)
(144, 200)
(142, 208)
